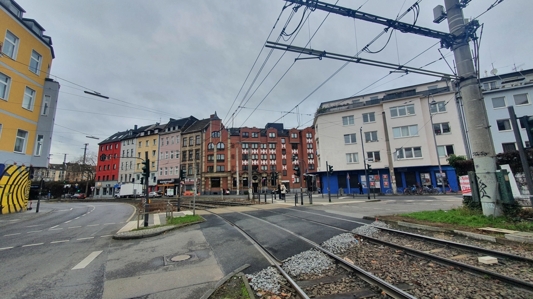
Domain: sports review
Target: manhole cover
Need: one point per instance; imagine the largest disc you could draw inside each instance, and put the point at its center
(179, 258)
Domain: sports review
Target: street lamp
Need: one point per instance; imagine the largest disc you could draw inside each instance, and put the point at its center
(435, 142)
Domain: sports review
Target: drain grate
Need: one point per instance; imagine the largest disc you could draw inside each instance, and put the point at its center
(179, 258)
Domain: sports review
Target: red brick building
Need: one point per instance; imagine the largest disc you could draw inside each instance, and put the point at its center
(107, 167)
(265, 157)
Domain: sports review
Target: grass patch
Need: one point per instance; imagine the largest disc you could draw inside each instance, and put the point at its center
(469, 218)
(184, 219)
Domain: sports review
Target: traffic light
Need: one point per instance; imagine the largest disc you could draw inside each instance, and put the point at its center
(183, 174)
(330, 169)
(146, 168)
(369, 168)
(297, 171)
(527, 123)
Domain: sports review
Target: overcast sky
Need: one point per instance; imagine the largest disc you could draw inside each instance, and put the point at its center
(166, 59)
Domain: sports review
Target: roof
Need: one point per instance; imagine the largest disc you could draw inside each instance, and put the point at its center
(117, 137)
(198, 125)
(507, 75)
(182, 123)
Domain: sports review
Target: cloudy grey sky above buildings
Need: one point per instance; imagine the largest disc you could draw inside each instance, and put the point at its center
(171, 59)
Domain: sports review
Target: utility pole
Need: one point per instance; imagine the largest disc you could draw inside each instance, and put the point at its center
(479, 130)
(195, 191)
(250, 188)
(392, 176)
(237, 165)
(436, 147)
(474, 109)
(364, 163)
(84, 168)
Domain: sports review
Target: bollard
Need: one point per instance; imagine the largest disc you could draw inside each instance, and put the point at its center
(302, 198)
(295, 199)
(179, 204)
(310, 198)
(265, 197)
(146, 214)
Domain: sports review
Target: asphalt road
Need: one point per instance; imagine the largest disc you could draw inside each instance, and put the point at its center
(60, 252)
(66, 250)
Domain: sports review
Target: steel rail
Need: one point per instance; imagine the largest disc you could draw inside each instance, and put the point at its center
(270, 257)
(371, 279)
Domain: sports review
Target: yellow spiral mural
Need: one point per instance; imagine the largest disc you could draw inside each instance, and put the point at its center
(14, 188)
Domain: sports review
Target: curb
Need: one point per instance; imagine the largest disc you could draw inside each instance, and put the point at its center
(147, 233)
(210, 292)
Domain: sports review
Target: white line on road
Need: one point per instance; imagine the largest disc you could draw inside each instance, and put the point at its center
(106, 236)
(77, 218)
(63, 210)
(11, 235)
(67, 221)
(93, 224)
(86, 261)
(36, 244)
(62, 241)
(32, 225)
(85, 238)
(107, 223)
(34, 231)
(74, 226)
(4, 248)
(56, 228)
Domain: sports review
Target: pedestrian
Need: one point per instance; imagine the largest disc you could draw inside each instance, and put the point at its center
(283, 191)
(360, 188)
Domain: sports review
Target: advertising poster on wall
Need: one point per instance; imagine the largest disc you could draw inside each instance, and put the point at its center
(363, 181)
(376, 181)
(385, 178)
(439, 178)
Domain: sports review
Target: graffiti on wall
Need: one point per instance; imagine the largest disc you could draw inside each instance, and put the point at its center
(14, 188)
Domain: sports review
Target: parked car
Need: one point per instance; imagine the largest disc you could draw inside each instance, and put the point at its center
(78, 196)
(154, 194)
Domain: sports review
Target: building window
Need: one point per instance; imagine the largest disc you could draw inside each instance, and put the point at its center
(184, 141)
(521, 99)
(308, 135)
(264, 167)
(191, 141)
(283, 140)
(10, 45)
(489, 85)
(442, 128)
(221, 168)
(349, 138)
(371, 136)
(153, 153)
(254, 145)
(210, 158)
(369, 117)
(197, 155)
(373, 156)
(509, 147)
(45, 106)
(255, 135)
(197, 139)
(263, 145)
(402, 110)
(437, 107)
(409, 153)
(445, 150)
(210, 146)
(245, 134)
(245, 167)
(272, 145)
(245, 145)
(20, 142)
(146, 143)
(310, 145)
(29, 96)
(190, 155)
(272, 135)
(273, 157)
(220, 157)
(214, 134)
(352, 158)
(4, 86)
(504, 125)
(348, 120)
(255, 157)
(35, 62)
(405, 131)
(498, 102)
(39, 145)
(294, 135)
(155, 141)
(220, 145)
(310, 156)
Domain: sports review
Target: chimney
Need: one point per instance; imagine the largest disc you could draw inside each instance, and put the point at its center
(135, 127)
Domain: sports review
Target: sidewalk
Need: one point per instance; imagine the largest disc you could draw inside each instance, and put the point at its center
(128, 231)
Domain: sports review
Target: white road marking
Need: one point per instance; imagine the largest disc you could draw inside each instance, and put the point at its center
(104, 236)
(36, 244)
(74, 226)
(93, 224)
(56, 228)
(107, 223)
(86, 261)
(34, 231)
(85, 238)
(32, 225)
(63, 210)
(67, 221)
(5, 248)
(77, 218)
(62, 241)
(11, 235)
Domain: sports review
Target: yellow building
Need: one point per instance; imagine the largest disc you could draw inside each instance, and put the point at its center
(28, 98)
(148, 142)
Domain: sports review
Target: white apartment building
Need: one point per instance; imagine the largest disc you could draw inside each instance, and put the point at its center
(499, 92)
(394, 128)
